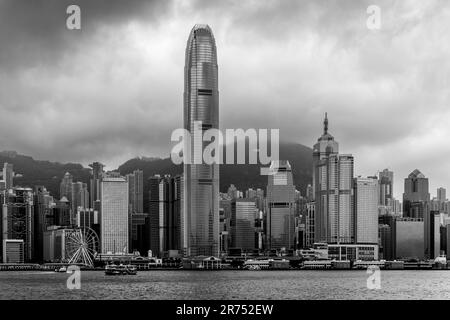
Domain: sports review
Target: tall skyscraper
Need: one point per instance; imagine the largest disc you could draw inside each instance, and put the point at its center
(114, 226)
(416, 205)
(280, 206)
(441, 198)
(416, 194)
(18, 220)
(43, 218)
(386, 181)
(65, 187)
(366, 210)
(201, 105)
(79, 198)
(154, 214)
(8, 175)
(97, 174)
(136, 191)
(242, 224)
(333, 191)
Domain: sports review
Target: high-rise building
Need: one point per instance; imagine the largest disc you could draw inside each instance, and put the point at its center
(333, 191)
(114, 215)
(386, 181)
(136, 191)
(409, 238)
(8, 175)
(170, 212)
(43, 218)
(17, 219)
(140, 240)
(201, 112)
(310, 221)
(416, 205)
(154, 214)
(79, 198)
(441, 195)
(309, 193)
(441, 198)
(95, 193)
(280, 206)
(166, 213)
(65, 187)
(387, 236)
(366, 210)
(242, 225)
(415, 195)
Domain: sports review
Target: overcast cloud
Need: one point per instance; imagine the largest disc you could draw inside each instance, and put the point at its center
(114, 89)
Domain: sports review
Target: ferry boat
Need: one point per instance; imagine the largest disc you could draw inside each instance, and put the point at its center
(121, 269)
(62, 269)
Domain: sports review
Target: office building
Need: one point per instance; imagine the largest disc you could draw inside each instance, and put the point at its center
(136, 191)
(242, 225)
(44, 216)
(95, 185)
(415, 196)
(65, 187)
(409, 238)
(201, 112)
(114, 215)
(154, 214)
(386, 184)
(333, 191)
(8, 175)
(280, 207)
(366, 210)
(18, 219)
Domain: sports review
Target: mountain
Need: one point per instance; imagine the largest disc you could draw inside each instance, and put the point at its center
(243, 176)
(31, 172)
(36, 172)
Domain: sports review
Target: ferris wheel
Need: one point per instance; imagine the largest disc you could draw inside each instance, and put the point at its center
(81, 246)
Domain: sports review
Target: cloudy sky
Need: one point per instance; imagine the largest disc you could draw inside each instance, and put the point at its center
(113, 90)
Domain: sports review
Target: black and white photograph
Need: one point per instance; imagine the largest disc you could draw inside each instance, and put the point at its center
(224, 155)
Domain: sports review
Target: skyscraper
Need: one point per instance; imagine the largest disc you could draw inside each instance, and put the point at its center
(441, 198)
(136, 191)
(366, 210)
(242, 226)
(333, 191)
(18, 219)
(65, 187)
(154, 214)
(386, 181)
(97, 173)
(416, 195)
(114, 215)
(280, 207)
(201, 112)
(8, 175)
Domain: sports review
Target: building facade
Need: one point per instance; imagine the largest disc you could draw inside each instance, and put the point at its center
(333, 191)
(280, 207)
(114, 226)
(366, 210)
(201, 112)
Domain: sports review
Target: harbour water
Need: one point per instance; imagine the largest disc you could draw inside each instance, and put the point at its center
(204, 285)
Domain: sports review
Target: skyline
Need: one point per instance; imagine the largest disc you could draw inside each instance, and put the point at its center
(316, 59)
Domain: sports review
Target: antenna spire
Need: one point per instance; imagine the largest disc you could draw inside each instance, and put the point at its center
(325, 124)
